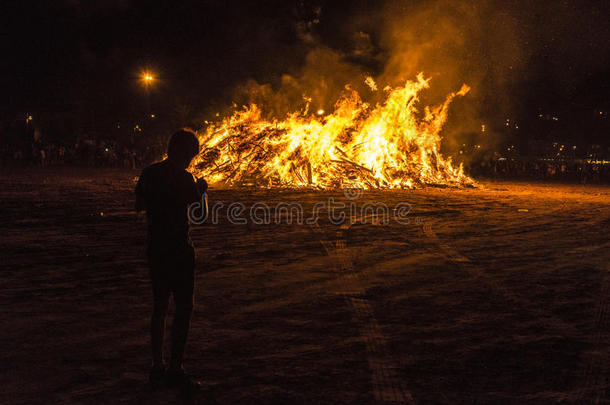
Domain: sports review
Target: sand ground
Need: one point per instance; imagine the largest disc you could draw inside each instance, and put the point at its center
(499, 294)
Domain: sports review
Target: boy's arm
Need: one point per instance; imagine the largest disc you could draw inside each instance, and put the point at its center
(140, 194)
(196, 190)
(202, 186)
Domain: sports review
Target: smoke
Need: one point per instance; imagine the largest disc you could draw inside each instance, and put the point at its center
(452, 43)
(319, 83)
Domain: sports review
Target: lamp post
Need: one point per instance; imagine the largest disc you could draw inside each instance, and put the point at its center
(148, 79)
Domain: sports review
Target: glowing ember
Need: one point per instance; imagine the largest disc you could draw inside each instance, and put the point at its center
(385, 146)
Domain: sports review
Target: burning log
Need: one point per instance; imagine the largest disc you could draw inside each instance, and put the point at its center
(383, 147)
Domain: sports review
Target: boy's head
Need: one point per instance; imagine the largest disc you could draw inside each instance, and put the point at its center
(183, 146)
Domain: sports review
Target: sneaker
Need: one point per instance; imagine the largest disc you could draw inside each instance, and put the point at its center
(156, 377)
(180, 379)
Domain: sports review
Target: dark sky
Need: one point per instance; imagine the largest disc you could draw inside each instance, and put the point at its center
(83, 57)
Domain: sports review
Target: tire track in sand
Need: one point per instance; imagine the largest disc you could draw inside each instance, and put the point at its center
(520, 302)
(595, 370)
(595, 374)
(388, 385)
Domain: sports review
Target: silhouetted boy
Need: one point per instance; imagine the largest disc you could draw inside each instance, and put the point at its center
(165, 190)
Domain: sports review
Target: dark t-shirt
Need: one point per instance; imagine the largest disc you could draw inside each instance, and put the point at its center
(165, 191)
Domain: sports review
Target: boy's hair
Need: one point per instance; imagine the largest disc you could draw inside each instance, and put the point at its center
(183, 144)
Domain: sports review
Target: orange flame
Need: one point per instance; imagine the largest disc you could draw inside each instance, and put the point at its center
(385, 146)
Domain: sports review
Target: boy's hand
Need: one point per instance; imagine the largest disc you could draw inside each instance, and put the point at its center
(202, 185)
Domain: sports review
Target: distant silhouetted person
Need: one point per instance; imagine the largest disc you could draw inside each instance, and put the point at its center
(165, 190)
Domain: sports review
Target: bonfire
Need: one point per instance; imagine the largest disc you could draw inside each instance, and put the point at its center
(388, 145)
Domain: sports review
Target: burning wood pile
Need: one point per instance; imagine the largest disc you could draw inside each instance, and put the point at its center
(388, 145)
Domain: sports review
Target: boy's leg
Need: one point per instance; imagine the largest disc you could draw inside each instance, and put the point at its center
(180, 328)
(183, 298)
(157, 324)
(161, 290)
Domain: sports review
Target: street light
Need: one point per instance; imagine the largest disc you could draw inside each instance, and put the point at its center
(147, 78)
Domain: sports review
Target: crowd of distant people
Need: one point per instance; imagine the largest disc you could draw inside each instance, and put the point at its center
(583, 171)
(92, 153)
(87, 153)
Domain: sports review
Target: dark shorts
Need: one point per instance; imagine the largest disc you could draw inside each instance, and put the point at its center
(172, 271)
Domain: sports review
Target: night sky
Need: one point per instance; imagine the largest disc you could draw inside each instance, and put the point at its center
(79, 61)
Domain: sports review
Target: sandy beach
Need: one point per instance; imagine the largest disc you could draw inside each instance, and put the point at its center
(497, 294)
